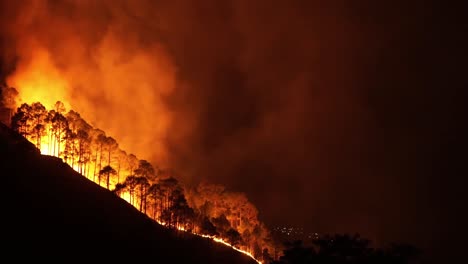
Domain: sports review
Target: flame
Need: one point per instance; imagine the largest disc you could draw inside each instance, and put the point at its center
(39, 81)
(222, 241)
(113, 77)
(125, 195)
(47, 148)
(216, 239)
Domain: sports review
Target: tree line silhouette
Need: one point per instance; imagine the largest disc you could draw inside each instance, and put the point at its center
(208, 209)
(343, 249)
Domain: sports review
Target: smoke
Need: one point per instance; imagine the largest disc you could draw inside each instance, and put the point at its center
(258, 96)
(313, 108)
(88, 55)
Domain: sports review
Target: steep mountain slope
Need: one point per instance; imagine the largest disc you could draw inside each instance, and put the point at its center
(51, 212)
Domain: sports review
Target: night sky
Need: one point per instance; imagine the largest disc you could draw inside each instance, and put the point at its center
(335, 116)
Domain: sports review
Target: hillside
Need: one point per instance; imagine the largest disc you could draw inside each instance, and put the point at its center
(51, 212)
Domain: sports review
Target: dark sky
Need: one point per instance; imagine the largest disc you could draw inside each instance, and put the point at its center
(337, 116)
(333, 115)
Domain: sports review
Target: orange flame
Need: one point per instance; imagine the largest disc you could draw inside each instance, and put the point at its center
(125, 195)
(39, 81)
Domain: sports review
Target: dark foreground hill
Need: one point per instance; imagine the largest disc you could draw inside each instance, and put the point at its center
(50, 212)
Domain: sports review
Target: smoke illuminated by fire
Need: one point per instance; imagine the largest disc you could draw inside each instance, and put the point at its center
(39, 81)
(102, 71)
(87, 55)
(98, 157)
(40, 127)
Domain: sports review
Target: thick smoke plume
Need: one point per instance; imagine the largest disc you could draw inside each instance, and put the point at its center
(93, 56)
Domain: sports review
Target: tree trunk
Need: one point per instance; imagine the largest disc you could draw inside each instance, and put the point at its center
(100, 157)
(38, 140)
(50, 142)
(118, 173)
(58, 142)
(141, 198)
(80, 164)
(95, 164)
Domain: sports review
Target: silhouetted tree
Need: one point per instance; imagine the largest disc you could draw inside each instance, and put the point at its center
(233, 237)
(168, 185)
(84, 151)
(106, 171)
(221, 223)
(132, 161)
(156, 195)
(142, 185)
(266, 257)
(341, 249)
(119, 189)
(110, 144)
(95, 136)
(21, 120)
(121, 158)
(39, 115)
(296, 253)
(69, 153)
(207, 228)
(131, 183)
(101, 141)
(145, 169)
(182, 214)
(59, 126)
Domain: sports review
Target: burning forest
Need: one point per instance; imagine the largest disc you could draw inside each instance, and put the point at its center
(223, 118)
(208, 210)
(90, 72)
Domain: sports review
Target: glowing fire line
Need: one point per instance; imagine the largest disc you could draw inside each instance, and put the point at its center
(220, 240)
(45, 150)
(216, 239)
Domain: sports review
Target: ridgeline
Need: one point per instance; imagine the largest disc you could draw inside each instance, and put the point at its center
(51, 212)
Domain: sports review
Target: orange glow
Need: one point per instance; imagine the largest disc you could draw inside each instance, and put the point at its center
(126, 196)
(218, 240)
(39, 81)
(114, 78)
(47, 148)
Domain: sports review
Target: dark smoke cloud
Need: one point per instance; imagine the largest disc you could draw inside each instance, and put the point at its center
(334, 115)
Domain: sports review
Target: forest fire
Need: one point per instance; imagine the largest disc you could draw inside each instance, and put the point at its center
(208, 211)
(117, 81)
(218, 240)
(39, 81)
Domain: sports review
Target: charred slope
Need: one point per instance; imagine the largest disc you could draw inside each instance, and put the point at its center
(51, 212)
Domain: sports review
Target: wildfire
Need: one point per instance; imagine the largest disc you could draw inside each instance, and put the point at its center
(96, 156)
(126, 196)
(40, 81)
(218, 240)
(121, 82)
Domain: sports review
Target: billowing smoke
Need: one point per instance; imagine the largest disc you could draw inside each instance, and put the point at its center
(247, 94)
(255, 95)
(94, 57)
